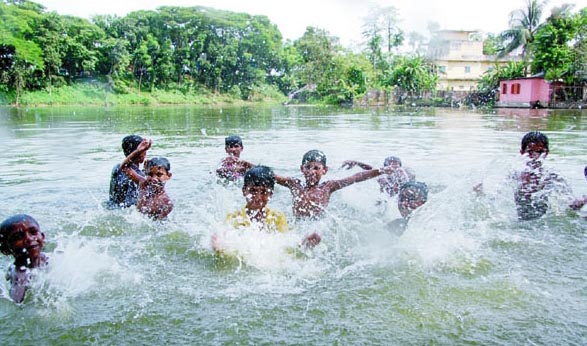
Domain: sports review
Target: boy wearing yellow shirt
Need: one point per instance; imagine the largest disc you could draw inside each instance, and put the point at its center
(259, 183)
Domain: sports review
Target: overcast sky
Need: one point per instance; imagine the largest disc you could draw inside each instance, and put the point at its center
(342, 18)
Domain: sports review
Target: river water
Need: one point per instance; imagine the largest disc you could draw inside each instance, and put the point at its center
(465, 271)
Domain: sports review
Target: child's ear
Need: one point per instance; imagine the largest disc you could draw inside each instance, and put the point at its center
(169, 174)
(325, 169)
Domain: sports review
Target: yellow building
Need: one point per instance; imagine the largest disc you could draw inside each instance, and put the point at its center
(457, 56)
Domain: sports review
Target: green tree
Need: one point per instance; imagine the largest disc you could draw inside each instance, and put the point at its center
(523, 26)
(382, 34)
(412, 75)
(553, 49)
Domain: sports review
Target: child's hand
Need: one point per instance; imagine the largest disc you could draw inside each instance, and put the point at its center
(348, 164)
(578, 203)
(144, 145)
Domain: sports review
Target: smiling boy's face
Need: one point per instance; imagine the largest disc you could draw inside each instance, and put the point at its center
(26, 239)
(313, 172)
(158, 175)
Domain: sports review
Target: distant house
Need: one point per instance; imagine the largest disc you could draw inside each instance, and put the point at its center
(457, 56)
(529, 92)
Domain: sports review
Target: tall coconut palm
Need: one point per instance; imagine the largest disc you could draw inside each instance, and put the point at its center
(523, 25)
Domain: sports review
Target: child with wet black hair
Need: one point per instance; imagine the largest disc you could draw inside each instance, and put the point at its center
(412, 195)
(310, 198)
(259, 184)
(232, 168)
(389, 183)
(21, 237)
(123, 191)
(152, 199)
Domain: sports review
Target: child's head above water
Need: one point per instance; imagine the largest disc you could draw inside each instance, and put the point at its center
(411, 196)
(259, 182)
(158, 168)
(130, 143)
(392, 160)
(534, 144)
(233, 140)
(314, 156)
(21, 236)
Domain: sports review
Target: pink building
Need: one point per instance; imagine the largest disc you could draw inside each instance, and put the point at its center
(530, 92)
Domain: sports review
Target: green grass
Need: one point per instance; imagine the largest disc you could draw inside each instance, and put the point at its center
(96, 94)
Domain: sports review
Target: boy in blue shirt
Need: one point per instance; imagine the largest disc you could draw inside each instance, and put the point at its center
(123, 191)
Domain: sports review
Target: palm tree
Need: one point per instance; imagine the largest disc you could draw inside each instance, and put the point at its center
(523, 25)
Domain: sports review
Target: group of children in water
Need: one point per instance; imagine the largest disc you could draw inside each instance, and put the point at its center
(22, 238)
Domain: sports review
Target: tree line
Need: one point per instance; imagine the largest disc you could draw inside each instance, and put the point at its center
(199, 49)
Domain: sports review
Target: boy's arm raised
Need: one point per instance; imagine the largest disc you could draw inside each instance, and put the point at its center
(284, 181)
(124, 166)
(358, 177)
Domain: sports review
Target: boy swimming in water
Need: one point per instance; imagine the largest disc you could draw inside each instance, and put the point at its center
(232, 168)
(21, 237)
(534, 182)
(259, 183)
(390, 183)
(123, 191)
(312, 197)
(152, 200)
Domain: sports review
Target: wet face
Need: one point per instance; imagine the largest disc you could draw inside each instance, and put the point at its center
(234, 149)
(394, 163)
(256, 196)
(157, 175)
(313, 172)
(409, 200)
(535, 150)
(26, 240)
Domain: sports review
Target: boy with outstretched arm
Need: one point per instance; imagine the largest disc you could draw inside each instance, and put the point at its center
(232, 168)
(389, 183)
(21, 237)
(310, 198)
(259, 183)
(152, 200)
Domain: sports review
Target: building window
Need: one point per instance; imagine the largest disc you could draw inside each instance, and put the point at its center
(442, 69)
(515, 88)
(467, 69)
(504, 89)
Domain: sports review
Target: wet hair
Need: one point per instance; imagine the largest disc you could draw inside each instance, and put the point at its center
(390, 159)
(130, 143)
(534, 137)
(232, 140)
(158, 162)
(314, 156)
(7, 227)
(260, 176)
(420, 187)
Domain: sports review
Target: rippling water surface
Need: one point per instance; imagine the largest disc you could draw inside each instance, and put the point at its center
(465, 271)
